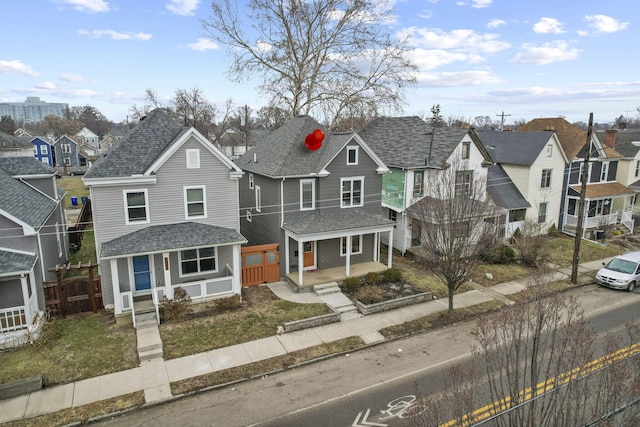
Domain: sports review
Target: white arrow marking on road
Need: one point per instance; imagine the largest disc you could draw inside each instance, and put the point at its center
(363, 422)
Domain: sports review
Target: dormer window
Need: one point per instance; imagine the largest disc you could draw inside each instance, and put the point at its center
(352, 155)
(466, 149)
(193, 159)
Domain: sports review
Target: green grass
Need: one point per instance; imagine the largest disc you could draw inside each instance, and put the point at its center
(72, 349)
(560, 250)
(87, 251)
(74, 187)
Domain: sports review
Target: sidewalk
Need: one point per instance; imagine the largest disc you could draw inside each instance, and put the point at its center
(154, 377)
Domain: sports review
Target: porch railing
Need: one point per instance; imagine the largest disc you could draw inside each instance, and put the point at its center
(593, 221)
(127, 304)
(204, 289)
(13, 319)
(627, 220)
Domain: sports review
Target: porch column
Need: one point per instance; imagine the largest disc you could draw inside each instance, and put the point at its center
(348, 257)
(28, 314)
(376, 246)
(300, 261)
(390, 250)
(166, 270)
(115, 285)
(287, 269)
(237, 268)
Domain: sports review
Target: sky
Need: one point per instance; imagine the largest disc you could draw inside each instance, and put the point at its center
(525, 59)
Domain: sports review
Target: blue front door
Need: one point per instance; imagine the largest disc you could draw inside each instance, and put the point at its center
(141, 273)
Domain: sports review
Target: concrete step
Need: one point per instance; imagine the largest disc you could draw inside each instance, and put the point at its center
(148, 339)
(146, 320)
(326, 289)
(154, 354)
(142, 307)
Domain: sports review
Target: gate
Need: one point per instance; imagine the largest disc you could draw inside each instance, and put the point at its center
(73, 295)
(260, 264)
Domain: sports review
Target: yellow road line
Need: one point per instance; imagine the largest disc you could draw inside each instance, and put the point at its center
(545, 386)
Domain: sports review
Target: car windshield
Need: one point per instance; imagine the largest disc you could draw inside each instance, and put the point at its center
(622, 265)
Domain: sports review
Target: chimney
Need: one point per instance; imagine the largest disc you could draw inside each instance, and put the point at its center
(610, 137)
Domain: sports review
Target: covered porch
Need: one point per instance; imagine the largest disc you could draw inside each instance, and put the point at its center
(333, 274)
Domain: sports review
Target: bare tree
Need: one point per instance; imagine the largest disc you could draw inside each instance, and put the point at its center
(191, 108)
(327, 56)
(272, 116)
(452, 222)
(55, 127)
(91, 118)
(436, 120)
(7, 125)
(151, 103)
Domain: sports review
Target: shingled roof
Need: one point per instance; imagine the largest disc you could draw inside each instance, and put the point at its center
(521, 148)
(621, 140)
(23, 202)
(137, 151)
(283, 153)
(22, 166)
(503, 191)
(15, 262)
(409, 142)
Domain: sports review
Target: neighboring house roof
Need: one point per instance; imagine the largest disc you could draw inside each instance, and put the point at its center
(409, 142)
(10, 142)
(334, 221)
(521, 148)
(22, 166)
(12, 262)
(621, 140)
(23, 203)
(571, 138)
(170, 237)
(70, 138)
(605, 189)
(503, 191)
(284, 154)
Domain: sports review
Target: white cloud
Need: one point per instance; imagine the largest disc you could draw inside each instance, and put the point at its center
(495, 23)
(430, 59)
(115, 35)
(71, 77)
(425, 14)
(203, 44)
(46, 86)
(451, 79)
(90, 6)
(605, 24)
(548, 26)
(462, 40)
(183, 7)
(262, 47)
(555, 51)
(479, 4)
(582, 33)
(17, 67)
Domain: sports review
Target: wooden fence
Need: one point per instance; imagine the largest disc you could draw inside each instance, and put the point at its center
(76, 231)
(73, 295)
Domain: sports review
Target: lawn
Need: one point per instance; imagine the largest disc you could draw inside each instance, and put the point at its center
(72, 349)
(74, 188)
(560, 249)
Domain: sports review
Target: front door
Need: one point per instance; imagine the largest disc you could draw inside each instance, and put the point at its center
(141, 273)
(309, 258)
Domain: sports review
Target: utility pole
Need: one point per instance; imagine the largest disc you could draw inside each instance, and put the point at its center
(581, 203)
(502, 116)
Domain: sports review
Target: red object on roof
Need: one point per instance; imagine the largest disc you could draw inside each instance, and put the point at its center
(313, 141)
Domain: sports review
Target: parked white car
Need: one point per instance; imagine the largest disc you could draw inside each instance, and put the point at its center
(622, 272)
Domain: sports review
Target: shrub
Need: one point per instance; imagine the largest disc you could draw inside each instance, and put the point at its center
(372, 278)
(392, 274)
(351, 285)
(227, 304)
(498, 254)
(553, 231)
(176, 308)
(370, 294)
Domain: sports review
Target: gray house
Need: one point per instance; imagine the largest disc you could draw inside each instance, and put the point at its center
(320, 204)
(33, 238)
(68, 155)
(165, 213)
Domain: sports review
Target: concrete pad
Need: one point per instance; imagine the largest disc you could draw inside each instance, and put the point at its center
(86, 391)
(188, 367)
(265, 348)
(157, 393)
(469, 298)
(299, 340)
(593, 265)
(119, 383)
(372, 337)
(508, 288)
(49, 400)
(228, 357)
(284, 290)
(359, 327)
(333, 332)
(148, 337)
(154, 373)
(13, 409)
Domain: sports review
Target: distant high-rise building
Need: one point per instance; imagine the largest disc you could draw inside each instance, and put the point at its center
(33, 110)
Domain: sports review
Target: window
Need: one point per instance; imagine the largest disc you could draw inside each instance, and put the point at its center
(307, 194)
(193, 158)
(637, 168)
(545, 182)
(393, 215)
(44, 149)
(466, 149)
(248, 215)
(352, 189)
(604, 172)
(549, 150)
(542, 213)
(463, 183)
(65, 148)
(195, 202)
(418, 179)
(461, 229)
(35, 150)
(66, 161)
(251, 181)
(517, 215)
(136, 206)
(352, 155)
(195, 261)
(258, 199)
(356, 247)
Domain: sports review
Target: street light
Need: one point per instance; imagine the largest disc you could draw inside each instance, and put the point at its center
(582, 201)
